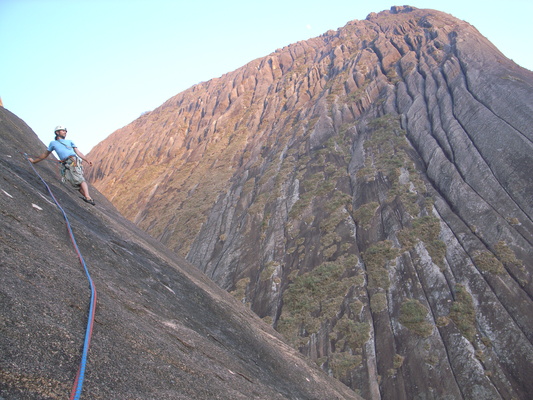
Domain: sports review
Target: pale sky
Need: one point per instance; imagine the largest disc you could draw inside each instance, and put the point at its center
(94, 66)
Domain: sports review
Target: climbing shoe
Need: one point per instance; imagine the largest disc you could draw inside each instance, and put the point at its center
(90, 201)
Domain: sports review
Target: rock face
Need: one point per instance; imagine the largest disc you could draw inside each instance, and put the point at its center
(367, 192)
(162, 329)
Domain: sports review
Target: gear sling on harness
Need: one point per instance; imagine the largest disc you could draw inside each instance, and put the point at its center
(72, 170)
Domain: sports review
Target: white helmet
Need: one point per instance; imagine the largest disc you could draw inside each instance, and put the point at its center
(60, 128)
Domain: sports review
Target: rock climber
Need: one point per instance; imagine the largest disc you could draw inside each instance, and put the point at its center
(71, 161)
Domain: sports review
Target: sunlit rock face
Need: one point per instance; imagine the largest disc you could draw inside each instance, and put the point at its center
(162, 329)
(367, 192)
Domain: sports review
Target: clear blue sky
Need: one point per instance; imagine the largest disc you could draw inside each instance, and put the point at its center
(96, 65)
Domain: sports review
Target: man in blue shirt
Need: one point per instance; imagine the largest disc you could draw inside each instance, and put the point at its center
(70, 158)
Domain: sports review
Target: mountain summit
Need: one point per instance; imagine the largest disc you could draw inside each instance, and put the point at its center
(367, 192)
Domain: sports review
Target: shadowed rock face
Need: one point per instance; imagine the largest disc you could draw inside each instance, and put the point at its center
(162, 329)
(367, 192)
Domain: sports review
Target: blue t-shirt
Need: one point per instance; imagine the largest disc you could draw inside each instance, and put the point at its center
(63, 148)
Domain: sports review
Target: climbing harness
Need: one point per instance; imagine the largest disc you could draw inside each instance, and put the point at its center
(78, 382)
(71, 171)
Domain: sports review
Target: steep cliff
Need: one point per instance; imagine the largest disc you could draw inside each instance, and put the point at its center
(367, 192)
(162, 329)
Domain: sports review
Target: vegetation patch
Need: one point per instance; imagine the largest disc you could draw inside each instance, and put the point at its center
(486, 341)
(376, 258)
(513, 221)
(480, 355)
(312, 186)
(329, 252)
(398, 361)
(258, 205)
(388, 145)
(339, 201)
(355, 334)
(409, 200)
(487, 262)
(367, 173)
(364, 214)
(240, 289)
(342, 363)
(506, 255)
(427, 230)
(329, 224)
(393, 76)
(413, 315)
(313, 297)
(378, 302)
(462, 313)
(300, 205)
(269, 270)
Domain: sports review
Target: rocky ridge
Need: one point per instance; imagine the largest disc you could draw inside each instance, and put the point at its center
(367, 192)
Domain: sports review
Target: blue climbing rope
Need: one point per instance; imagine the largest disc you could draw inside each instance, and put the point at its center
(78, 382)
